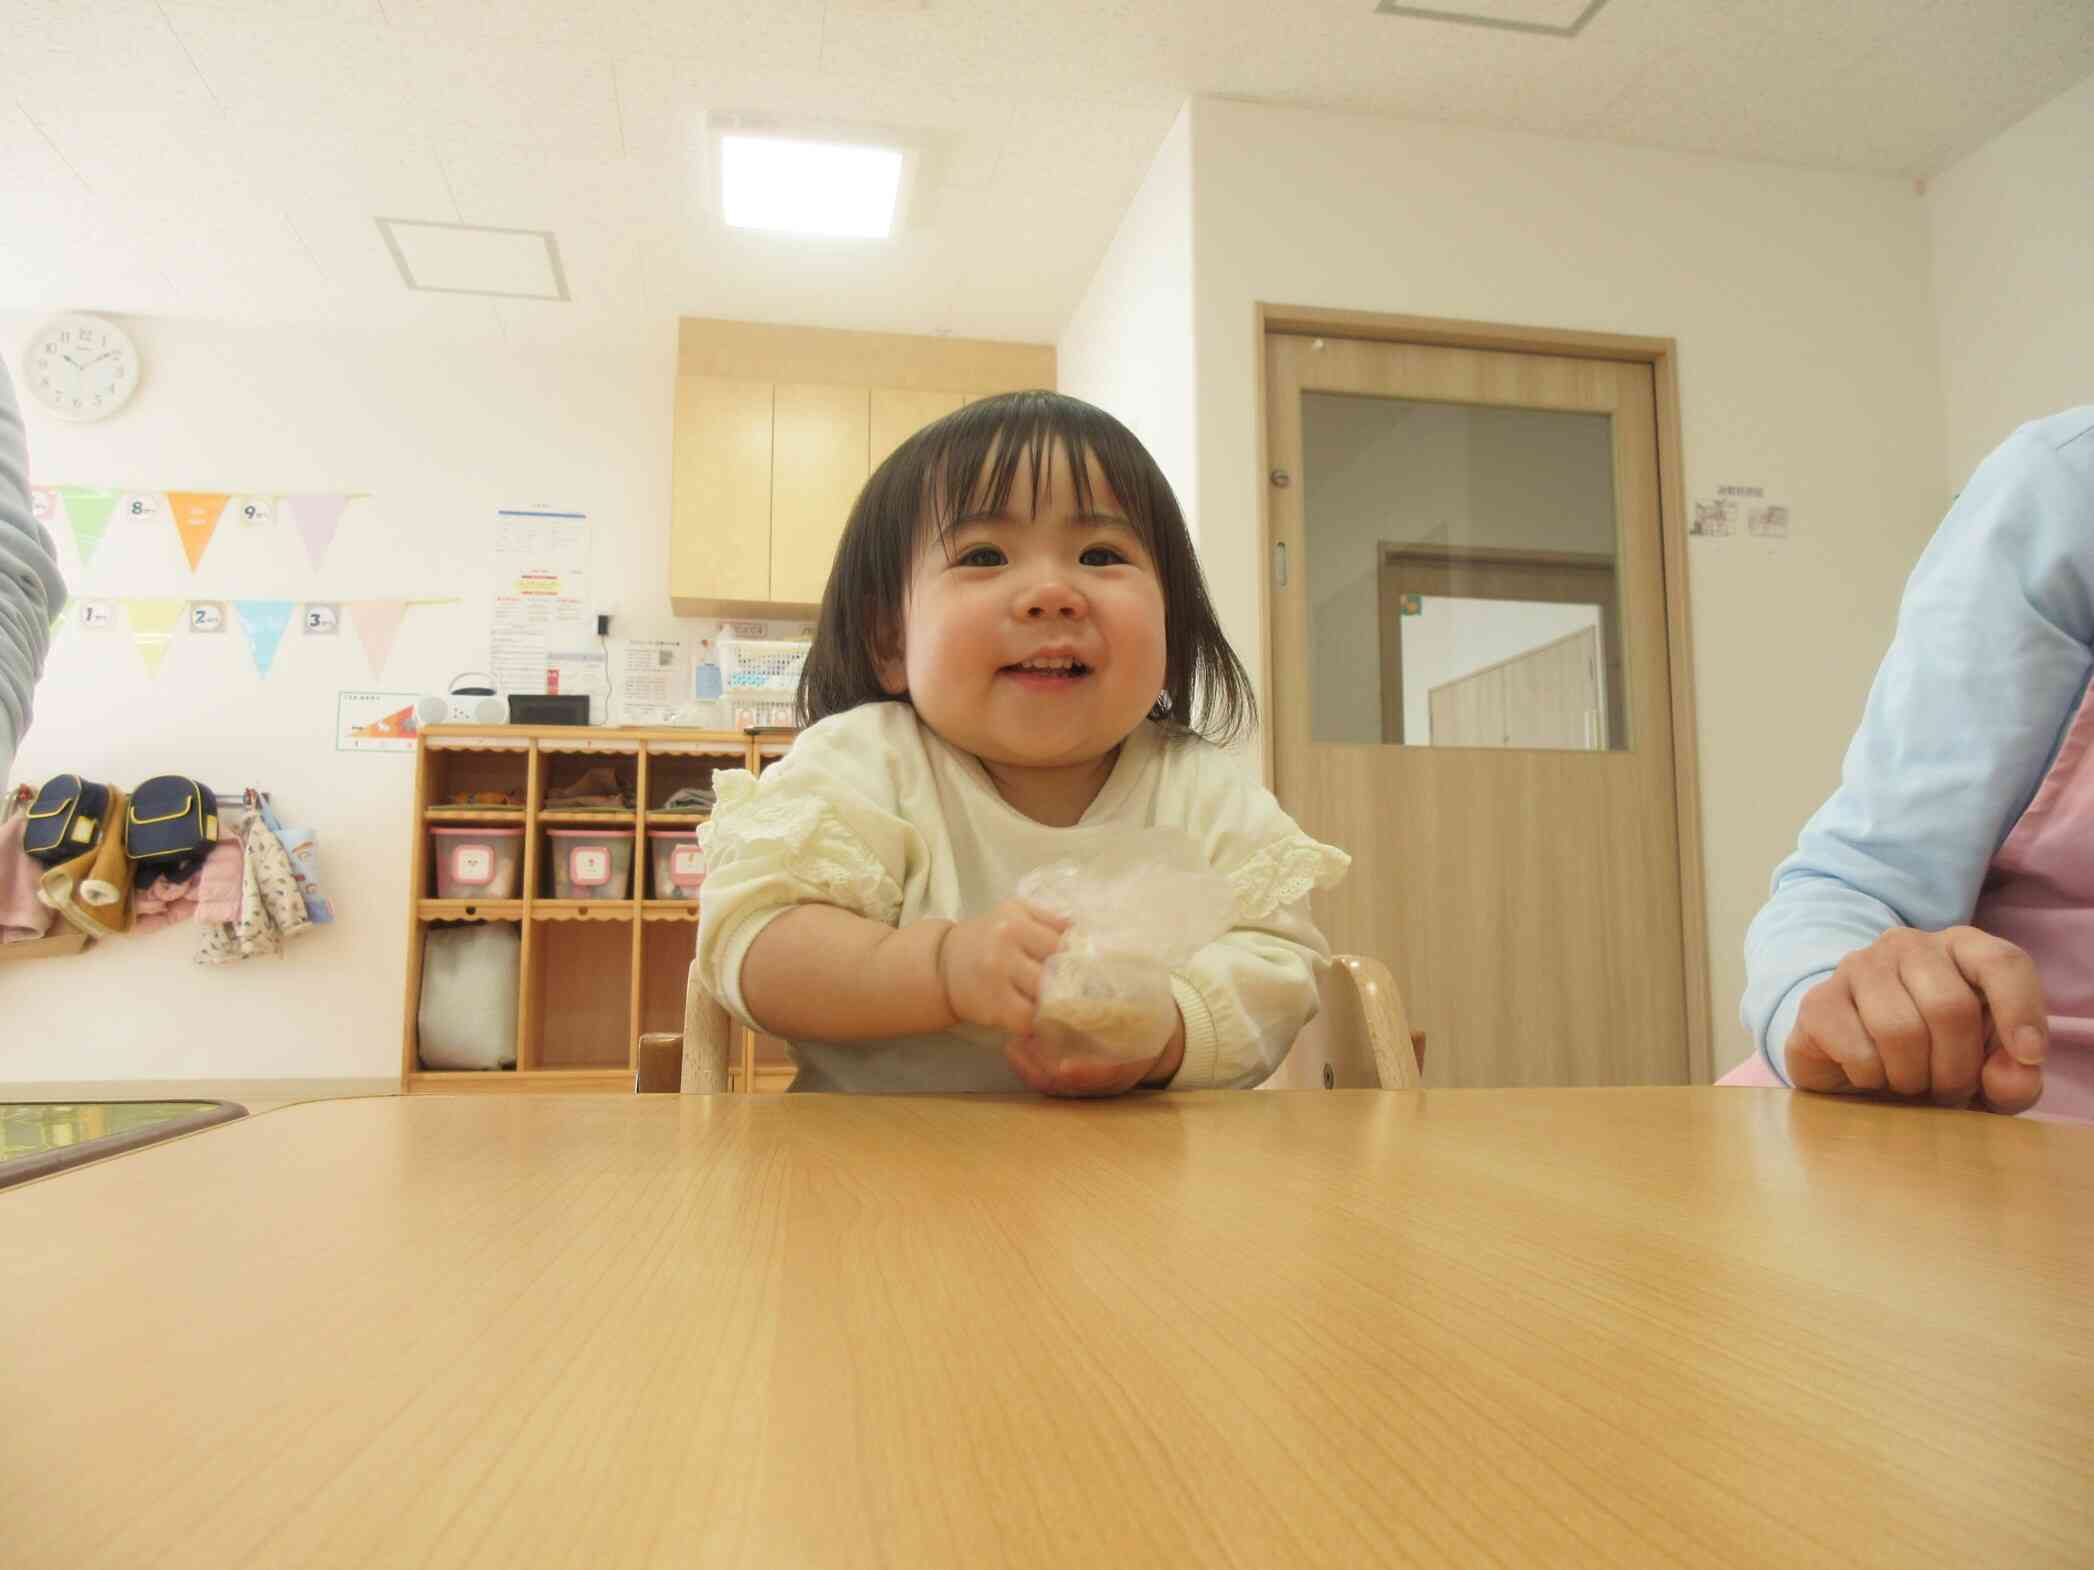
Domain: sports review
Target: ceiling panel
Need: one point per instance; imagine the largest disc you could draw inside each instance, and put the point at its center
(104, 53)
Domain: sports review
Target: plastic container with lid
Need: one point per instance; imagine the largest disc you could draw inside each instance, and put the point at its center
(476, 863)
(591, 863)
(679, 865)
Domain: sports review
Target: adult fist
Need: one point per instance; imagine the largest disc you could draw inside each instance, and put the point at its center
(1956, 1017)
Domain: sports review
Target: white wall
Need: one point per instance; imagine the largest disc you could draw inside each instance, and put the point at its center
(2013, 228)
(1129, 345)
(1801, 303)
(440, 439)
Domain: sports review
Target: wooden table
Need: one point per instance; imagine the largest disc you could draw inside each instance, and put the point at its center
(1623, 1328)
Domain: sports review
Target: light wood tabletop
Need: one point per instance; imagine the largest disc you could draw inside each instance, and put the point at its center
(1539, 1328)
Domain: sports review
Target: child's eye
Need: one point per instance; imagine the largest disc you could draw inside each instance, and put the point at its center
(1102, 556)
(979, 556)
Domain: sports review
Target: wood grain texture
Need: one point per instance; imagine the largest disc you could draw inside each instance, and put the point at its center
(898, 414)
(820, 440)
(974, 367)
(720, 531)
(1661, 354)
(1624, 1328)
(1503, 888)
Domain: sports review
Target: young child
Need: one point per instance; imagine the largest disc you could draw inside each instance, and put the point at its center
(1015, 653)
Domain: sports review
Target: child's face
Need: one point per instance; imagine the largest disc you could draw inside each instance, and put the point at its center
(1002, 596)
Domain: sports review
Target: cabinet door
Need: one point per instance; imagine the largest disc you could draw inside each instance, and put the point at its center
(898, 414)
(720, 528)
(820, 442)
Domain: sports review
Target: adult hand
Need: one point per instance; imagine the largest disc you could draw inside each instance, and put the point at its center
(990, 965)
(1956, 1017)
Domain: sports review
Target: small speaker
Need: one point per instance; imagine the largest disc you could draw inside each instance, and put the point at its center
(461, 708)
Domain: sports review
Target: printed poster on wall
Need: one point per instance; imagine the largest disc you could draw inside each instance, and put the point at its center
(375, 722)
(541, 601)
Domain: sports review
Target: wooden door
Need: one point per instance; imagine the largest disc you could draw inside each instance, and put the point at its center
(720, 530)
(1528, 898)
(898, 413)
(820, 438)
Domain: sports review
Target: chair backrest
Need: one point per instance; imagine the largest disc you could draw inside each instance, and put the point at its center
(1360, 1038)
(708, 1037)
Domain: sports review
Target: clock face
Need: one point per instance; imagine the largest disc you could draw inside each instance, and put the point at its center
(80, 367)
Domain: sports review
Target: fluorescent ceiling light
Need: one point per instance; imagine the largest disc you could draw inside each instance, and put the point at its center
(804, 187)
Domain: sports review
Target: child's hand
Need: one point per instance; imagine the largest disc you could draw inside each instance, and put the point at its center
(1050, 1072)
(990, 966)
(1906, 1016)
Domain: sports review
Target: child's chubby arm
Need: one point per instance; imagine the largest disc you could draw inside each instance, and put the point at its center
(824, 973)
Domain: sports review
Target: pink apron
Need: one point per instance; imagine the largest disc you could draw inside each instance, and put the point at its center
(2039, 894)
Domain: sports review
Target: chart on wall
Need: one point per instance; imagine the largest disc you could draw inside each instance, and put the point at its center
(541, 603)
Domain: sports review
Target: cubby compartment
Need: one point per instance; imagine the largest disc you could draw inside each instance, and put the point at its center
(588, 784)
(468, 981)
(478, 784)
(672, 773)
(578, 992)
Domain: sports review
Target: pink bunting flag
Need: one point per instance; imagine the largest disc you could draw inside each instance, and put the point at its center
(318, 515)
(377, 624)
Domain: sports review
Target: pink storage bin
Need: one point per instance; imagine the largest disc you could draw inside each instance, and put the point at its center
(476, 863)
(678, 863)
(591, 863)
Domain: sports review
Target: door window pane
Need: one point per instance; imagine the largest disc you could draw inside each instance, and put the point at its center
(1462, 575)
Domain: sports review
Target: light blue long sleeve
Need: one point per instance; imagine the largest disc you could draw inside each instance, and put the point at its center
(1994, 647)
(31, 592)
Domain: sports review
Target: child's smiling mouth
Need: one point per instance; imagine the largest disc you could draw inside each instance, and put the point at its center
(1047, 671)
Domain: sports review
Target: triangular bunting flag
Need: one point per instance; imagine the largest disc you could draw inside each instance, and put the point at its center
(196, 515)
(264, 622)
(152, 628)
(87, 510)
(43, 504)
(377, 623)
(317, 516)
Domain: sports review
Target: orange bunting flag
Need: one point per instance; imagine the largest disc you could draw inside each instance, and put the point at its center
(196, 515)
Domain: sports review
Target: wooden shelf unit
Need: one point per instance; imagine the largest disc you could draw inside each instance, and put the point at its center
(596, 974)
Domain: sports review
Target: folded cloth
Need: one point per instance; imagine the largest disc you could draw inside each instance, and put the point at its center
(93, 890)
(598, 787)
(692, 798)
(22, 914)
(218, 882)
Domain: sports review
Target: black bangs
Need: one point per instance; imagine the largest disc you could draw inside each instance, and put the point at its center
(967, 465)
(971, 461)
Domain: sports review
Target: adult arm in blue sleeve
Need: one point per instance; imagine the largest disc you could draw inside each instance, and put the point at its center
(1994, 645)
(31, 592)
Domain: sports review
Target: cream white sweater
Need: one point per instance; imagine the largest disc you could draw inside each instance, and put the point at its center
(872, 812)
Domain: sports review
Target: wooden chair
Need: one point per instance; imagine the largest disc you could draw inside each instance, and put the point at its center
(1360, 1039)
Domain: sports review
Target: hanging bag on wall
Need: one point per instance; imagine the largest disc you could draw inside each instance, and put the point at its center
(171, 827)
(303, 847)
(67, 819)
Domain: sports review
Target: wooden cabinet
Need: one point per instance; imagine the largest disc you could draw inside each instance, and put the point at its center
(819, 439)
(595, 974)
(720, 542)
(777, 429)
(898, 413)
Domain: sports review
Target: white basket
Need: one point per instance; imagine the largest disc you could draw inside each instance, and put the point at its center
(757, 671)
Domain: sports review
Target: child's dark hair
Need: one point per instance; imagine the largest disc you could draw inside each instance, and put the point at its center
(968, 462)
